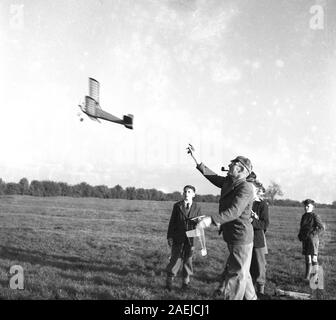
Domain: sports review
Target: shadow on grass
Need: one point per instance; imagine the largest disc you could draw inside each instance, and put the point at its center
(66, 262)
(96, 280)
(4, 284)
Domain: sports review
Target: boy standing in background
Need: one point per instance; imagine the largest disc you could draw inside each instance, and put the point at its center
(182, 247)
(310, 228)
(260, 223)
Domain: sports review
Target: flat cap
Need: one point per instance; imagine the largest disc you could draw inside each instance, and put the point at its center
(245, 162)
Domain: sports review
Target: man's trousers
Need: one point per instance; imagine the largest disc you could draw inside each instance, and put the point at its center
(258, 266)
(236, 282)
(181, 255)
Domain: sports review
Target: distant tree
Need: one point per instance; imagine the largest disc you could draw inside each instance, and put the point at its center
(161, 196)
(117, 192)
(333, 205)
(130, 193)
(141, 194)
(36, 188)
(66, 190)
(153, 194)
(2, 186)
(101, 191)
(77, 191)
(51, 188)
(24, 186)
(273, 191)
(12, 188)
(86, 190)
(174, 196)
(287, 203)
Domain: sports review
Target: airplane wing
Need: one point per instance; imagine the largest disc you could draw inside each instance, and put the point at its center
(90, 106)
(94, 89)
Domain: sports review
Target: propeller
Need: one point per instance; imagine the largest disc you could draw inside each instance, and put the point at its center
(79, 114)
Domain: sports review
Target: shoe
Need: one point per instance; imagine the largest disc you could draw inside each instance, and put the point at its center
(260, 288)
(308, 271)
(217, 293)
(263, 296)
(169, 284)
(185, 286)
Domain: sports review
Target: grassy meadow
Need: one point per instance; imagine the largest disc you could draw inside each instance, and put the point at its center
(86, 248)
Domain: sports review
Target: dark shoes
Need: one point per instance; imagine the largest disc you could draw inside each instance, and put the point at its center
(260, 288)
(308, 272)
(185, 286)
(217, 293)
(169, 283)
(263, 296)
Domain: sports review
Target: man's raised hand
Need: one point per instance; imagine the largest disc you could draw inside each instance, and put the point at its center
(191, 151)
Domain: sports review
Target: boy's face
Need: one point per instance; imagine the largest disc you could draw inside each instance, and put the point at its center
(260, 192)
(255, 191)
(309, 207)
(188, 194)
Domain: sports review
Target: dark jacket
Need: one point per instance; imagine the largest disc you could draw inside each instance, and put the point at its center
(310, 226)
(235, 206)
(260, 225)
(180, 221)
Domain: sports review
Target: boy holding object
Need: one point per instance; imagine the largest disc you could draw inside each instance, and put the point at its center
(182, 247)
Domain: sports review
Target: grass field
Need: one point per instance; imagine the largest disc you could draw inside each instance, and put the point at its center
(88, 248)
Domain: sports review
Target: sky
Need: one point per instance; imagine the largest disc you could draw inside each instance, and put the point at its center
(246, 77)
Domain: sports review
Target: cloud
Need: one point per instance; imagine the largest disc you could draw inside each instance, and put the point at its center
(279, 63)
(222, 74)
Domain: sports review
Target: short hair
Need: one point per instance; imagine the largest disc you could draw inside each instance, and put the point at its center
(308, 201)
(251, 177)
(262, 188)
(188, 186)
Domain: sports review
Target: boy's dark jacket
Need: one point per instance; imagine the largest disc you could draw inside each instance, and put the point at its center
(260, 225)
(180, 221)
(310, 226)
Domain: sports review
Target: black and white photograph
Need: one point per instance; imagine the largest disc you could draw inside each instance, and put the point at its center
(173, 151)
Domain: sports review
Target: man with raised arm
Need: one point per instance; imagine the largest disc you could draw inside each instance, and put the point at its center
(234, 221)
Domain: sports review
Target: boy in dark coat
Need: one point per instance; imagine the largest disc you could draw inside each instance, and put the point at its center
(181, 246)
(310, 228)
(260, 222)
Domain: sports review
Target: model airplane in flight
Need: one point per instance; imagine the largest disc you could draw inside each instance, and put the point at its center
(93, 110)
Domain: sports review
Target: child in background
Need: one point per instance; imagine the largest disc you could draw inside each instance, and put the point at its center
(310, 228)
(260, 223)
(182, 247)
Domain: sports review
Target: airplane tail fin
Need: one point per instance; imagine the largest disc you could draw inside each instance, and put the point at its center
(128, 121)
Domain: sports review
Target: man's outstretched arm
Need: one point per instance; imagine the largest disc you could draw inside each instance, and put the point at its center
(210, 175)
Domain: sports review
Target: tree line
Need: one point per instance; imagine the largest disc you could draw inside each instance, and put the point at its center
(48, 188)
